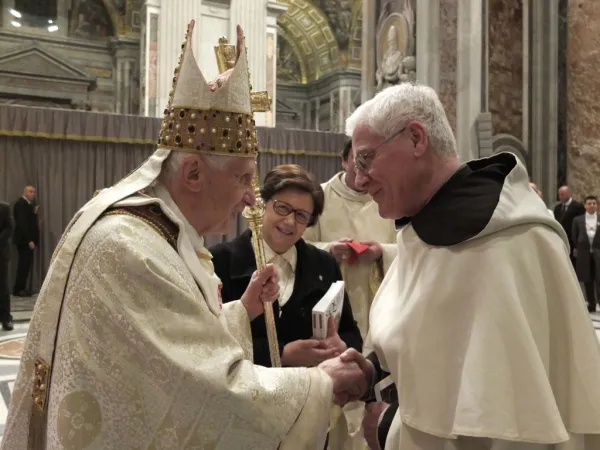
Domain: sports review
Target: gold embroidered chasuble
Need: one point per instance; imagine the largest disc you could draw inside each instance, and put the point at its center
(144, 356)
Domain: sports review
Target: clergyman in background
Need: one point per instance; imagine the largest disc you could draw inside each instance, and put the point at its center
(26, 238)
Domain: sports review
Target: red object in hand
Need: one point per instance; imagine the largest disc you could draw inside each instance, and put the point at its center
(357, 249)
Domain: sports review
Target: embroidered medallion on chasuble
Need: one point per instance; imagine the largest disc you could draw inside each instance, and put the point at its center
(200, 120)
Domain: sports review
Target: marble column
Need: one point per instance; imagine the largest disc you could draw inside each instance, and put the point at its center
(149, 59)
(125, 53)
(471, 75)
(252, 17)
(428, 43)
(274, 10)
(369, 49)
(543, 100)
(173, 19)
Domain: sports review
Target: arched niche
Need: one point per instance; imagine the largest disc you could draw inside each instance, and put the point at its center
(92, 19)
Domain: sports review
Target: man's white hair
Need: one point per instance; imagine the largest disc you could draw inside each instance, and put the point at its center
(175, 159)
(392, 109)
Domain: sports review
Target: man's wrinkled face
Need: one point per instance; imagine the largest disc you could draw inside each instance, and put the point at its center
(388, 170)
(211, 197)
(231, 191)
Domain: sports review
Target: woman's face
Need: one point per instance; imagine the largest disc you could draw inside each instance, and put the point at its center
(286, 217)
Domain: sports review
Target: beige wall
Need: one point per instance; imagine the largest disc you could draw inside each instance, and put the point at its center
(448, 48)
(506, 66)
(583, 105)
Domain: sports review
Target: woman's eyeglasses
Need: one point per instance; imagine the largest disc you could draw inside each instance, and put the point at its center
(364, 160)
(285, 209)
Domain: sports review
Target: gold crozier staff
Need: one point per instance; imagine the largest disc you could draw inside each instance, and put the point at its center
(226, 57)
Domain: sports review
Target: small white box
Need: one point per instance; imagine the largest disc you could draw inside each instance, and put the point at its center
(385, 390)
(331, 304)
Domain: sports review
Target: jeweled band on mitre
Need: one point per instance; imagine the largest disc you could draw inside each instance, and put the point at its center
(201, 119)
(210, 132)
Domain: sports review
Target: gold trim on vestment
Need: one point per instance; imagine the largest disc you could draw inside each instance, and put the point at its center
(156, 223)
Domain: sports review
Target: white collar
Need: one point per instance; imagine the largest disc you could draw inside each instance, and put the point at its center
(290, 255)
(568, 202)
(196, 240)
(591, 216)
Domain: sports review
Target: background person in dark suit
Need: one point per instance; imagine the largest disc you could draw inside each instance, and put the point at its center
(26, 238)
(293, 202)
(587, 251)
(567, 209)
(6, 231)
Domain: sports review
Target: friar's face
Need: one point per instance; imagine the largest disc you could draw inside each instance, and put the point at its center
(391, 169)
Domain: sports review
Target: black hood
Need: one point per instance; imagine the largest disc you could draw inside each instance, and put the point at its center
(466, 204)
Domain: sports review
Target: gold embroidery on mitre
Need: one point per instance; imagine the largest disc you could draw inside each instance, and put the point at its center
(199, 120)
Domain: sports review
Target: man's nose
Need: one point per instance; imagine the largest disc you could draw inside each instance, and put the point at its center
(361, 180)
(250, 198)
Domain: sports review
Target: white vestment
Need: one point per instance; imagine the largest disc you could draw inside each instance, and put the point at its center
(349, 214)
(488, 341)
(144, 357)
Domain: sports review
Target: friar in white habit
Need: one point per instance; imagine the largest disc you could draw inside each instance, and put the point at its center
(130, 346)
(481, 325)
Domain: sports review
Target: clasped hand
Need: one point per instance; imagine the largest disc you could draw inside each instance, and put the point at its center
(351, 373)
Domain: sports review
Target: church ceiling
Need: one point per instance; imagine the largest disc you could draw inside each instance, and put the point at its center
(318, 36)
(308, 27)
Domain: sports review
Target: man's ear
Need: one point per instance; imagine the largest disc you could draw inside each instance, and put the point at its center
(419, 137)
(193, 173)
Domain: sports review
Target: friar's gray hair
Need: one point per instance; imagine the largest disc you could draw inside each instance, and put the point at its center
(392, 108)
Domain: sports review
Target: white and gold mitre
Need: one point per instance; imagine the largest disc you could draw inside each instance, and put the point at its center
(201, 120)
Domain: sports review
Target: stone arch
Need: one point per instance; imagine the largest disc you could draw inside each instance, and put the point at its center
(307, 27)
(508, 143)
(286, 40)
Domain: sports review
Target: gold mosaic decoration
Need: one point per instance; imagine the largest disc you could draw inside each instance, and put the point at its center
(209, 132)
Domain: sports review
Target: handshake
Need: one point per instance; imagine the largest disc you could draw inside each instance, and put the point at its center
(352, 376)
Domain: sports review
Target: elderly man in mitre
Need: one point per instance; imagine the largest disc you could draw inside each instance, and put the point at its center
(480, 326)
(130, 346)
